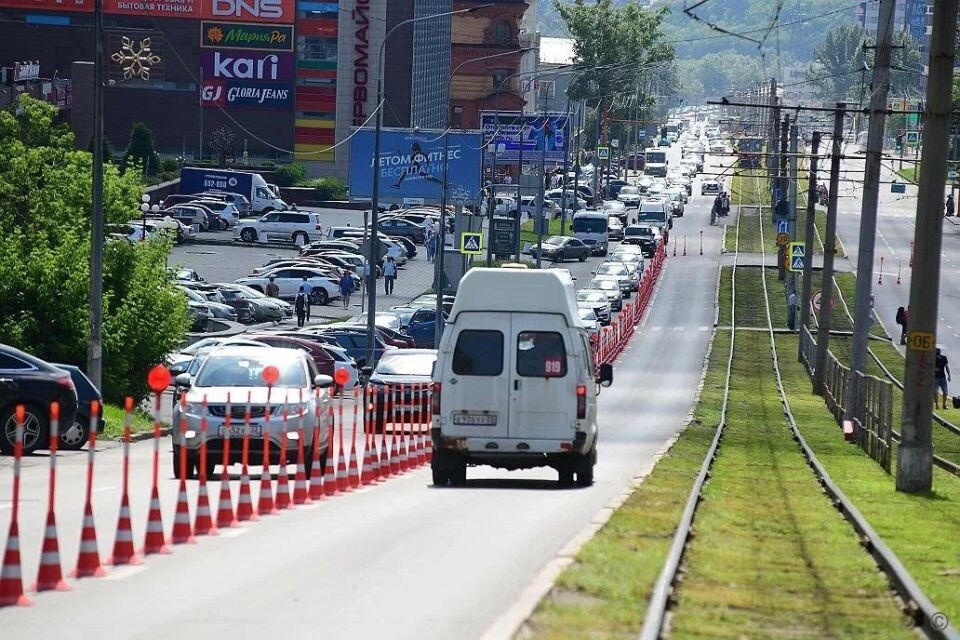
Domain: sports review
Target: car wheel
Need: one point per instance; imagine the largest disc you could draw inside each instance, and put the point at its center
(458, 472)
(224, 225)
(558, 257)
(565, 477)
(582, 257)
(248, 235)
(304, 238)
(73, 438)
(193, 459)
(320, 296)
(34, 428)
(585, 467)
(439, 471)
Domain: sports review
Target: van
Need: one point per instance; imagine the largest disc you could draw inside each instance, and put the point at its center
(513, 385)
(655, 211)
(591, 227)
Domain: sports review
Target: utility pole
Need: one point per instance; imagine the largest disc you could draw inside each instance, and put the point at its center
(829, 250)
(773, 159)
(807, 287)
(863, 307)
(915, 454)
(792, 197)
(95, 346)
(781, 194)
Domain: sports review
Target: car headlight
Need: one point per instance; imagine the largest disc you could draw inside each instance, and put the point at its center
(293, 410)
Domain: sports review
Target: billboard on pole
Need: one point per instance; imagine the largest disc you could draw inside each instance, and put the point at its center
(411, 165)
(548, 132)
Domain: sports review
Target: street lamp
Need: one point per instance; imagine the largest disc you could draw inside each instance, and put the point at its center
(438, 289)
(373, 255)
(144, 208)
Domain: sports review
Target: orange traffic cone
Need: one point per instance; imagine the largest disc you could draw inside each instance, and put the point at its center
(203, 525)
(244, 499)
(123, 551)
(384, 455)
(182, 531)
(49, 577)
(11, 581)
(154, 541)
(225, 516)
(88, 562)
(330, 475)
(265, 501)
(316, 469)
(394, 456)
(366, 473)
(343, 482)
(353, 473)
(300, 494)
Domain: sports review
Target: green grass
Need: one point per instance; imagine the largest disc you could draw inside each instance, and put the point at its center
(527, 234)
(114, 415)
(602, 594)
(771, 557)
(909, 172)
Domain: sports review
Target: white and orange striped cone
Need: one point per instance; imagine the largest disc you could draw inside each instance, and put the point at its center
(49, 576)
(343, 482)
(394, 456)
(182, 531)
(330, 487)
(154, 541)
(203, 525)
(405, 463)
(245, 510)
(300, 494)
(225, 515)
(283, 488)
(367, 473)
(11, 580)
(123, 551)
(417, 448)
(375, 476)
(265, 504)
(353, 472)
(88, 561)
(384, 456)
(428, 448)
(316, 469)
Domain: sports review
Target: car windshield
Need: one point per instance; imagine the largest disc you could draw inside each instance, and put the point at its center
(407, 364)
(246, 292)
(554, 240)
(639, 231)
(629, 191)
(193, 295)
(611, 269)
(585, 295)
(589, 225)
(603, 284)
(232, 370)
(587, 314)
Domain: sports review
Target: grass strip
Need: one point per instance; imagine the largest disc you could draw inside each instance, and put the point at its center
(527, 234)
(602, 594)
(771, 556)
(914, 526)
(114, 415)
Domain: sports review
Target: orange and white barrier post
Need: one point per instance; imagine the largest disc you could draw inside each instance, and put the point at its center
(50, 576)
(203, 526)
(123, 550)
(182, 528)
(330, 474)
(154, 540)
(316, 468)
(245, 510)
(300, 494)
(283, 479)
(88, 561)
(11, 578)
(225, 515)
(353, 472)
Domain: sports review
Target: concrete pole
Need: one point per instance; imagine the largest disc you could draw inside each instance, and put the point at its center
(915, 454)
(829, 250)
(863, 307)
(792, 197)
(807, 287)
(782, 181)
(95, 346)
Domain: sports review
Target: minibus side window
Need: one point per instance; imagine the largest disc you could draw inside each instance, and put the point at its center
(541, 354)
(478, 353)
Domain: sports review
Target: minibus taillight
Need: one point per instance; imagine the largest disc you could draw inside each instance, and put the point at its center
(435, 401)
(581, 401)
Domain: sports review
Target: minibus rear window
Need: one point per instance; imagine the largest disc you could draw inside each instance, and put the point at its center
(541, 354)
(478, 353)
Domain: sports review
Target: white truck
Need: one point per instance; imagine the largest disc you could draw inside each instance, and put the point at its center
(515, 379)
(252, 185)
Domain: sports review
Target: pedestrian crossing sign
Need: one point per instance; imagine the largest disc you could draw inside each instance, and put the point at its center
(470, 243)
(603, 153)
(796, 256)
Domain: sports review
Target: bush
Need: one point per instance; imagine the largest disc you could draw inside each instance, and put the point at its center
(329, 189)
(169, 165)
(141, 149)
(289, 174)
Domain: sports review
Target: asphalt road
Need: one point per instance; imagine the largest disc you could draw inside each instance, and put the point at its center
(399, 560)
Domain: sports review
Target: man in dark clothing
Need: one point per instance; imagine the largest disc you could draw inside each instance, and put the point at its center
(949, 206)
(941, 375)
(300, 305)
(273, 291)
(902, 321)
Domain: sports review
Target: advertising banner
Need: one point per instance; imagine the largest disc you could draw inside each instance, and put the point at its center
(49, 5)
(411, 166)
(274, 11)
(245, 78)
(155, 8)
(237, 35)
(549, 133)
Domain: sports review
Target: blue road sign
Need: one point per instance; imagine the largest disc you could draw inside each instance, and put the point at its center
(796, 256)
(783, 226)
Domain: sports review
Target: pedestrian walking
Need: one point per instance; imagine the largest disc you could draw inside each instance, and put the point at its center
(724, 204)
(715, 209)
(272, 291)
(949, 207)
(300, 305)
(308, 289)
(431, 241)
(792, 311)
(941, 376)
(902, 321)
(389, 275)
(346, 285)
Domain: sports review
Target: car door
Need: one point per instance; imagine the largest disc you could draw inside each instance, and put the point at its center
(422, 328)
(476, 382)
(543, 388)
(287, 282)
(269, 225)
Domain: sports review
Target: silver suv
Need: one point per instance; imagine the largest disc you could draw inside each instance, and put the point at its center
(298, 227)
(237, 373)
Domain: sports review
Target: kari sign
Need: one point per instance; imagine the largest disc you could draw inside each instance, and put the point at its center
(411, 165)
(235, 35)
(156, 8)
(278, 11)
(233, 64)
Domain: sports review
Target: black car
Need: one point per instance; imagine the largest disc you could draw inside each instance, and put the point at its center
(73, 437)
(560, 248)
(216, 309)
(31, 382)
(399, 389)
(395, 227)
(351, 340)
(643, 236)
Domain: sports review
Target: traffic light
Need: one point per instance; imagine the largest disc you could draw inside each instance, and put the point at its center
(899, 139)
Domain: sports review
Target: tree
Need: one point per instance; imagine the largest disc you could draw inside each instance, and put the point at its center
(45, 200)
(837, 61)
(221, 141)
(141, 149)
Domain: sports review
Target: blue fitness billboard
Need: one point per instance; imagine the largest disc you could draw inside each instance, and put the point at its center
(548, 133)
(411, 166)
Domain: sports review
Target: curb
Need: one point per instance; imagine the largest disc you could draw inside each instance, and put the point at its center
(145, 435)
(216, 242)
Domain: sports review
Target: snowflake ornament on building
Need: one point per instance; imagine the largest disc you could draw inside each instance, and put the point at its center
(135, 58)
(460, 195)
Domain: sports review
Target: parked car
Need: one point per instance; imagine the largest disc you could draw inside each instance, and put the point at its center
(227, 212)
(338, 246)
(325, 286)
(190, 215)
(33, 383)
(569, 202)
(397, 226)
(399, 387)
(560, 248)
(352, 339)
(73, 436)
(199, 314)
(298, 227)
(252, 305)
(530, 205)
(238, 371)
(323, 360)
(217, 310)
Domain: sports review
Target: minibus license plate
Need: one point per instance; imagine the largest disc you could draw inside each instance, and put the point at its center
(237, 431)
(475, 419)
